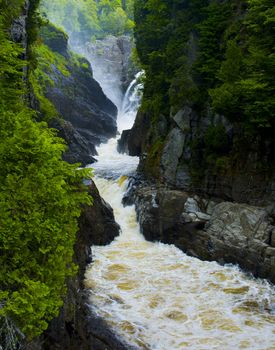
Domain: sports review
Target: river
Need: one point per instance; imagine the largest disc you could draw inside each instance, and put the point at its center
(156, 297)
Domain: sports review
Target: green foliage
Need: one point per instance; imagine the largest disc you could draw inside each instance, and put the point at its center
(215, 20)
(87, 19)
(40, 196)
(214, 56)
(154, 156)
(215, 139)
(39, 199)
(247, 90)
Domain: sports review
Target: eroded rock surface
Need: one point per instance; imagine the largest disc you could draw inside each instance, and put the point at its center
(223, 231)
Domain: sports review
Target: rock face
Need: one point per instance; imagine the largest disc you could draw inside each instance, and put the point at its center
(111, 62)
(79, 149)
(90, 116)
(187, 162)
(122, 143)
(77, 327)
(137, 135)
(18, 29)
(222, 231)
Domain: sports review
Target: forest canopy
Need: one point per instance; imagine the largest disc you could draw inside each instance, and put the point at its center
(204, 52)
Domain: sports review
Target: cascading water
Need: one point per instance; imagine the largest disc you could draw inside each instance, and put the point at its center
(156, 297)
(131, 100)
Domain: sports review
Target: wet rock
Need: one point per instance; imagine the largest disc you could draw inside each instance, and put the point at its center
(158, 210)
(138, 134)
(79, 149)
(122, 144)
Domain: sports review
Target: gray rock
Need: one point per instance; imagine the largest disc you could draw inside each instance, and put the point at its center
(235, 233)
(272, 238)
(79, 149)
(210, 206)
(202, 216)
(238, 223)
(191, 206)
(186, 218)
(158, 210)
(171, 155)
(18, 30)
(183, 177)
(138, 134)
(182, 118)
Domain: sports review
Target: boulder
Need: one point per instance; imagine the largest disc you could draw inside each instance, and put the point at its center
(138, 134)
(158, 210)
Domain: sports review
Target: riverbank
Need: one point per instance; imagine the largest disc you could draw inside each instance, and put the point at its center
(208, 229)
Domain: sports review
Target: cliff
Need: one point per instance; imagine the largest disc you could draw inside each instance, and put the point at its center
(206, 121)
(70, 98)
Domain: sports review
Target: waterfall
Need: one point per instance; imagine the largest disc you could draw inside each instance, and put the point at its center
(131, 99)
(156, 297)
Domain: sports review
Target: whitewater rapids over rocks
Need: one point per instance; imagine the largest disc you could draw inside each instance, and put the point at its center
(156, 297)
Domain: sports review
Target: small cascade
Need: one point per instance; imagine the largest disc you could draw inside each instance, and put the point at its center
(132, 96)
(112, 164)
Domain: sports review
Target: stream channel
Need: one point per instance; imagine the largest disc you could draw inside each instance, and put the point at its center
(156, 297)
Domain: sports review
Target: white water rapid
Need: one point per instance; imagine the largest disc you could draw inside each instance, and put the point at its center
(156, 297)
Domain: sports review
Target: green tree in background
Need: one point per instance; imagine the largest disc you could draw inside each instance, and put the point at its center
(209, 52)
(247, 90)
(87, 19)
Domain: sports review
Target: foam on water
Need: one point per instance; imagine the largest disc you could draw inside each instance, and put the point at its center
(156, 297)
